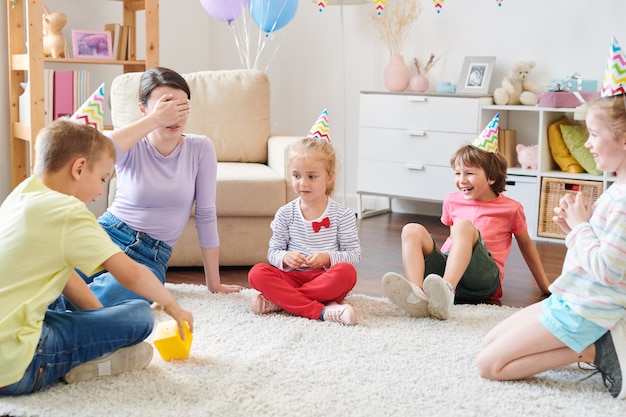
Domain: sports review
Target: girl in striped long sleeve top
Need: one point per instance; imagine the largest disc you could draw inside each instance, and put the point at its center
(314, 245)
(583, 319)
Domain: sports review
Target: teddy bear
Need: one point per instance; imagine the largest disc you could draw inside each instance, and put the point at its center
(53, 41)
(527, 156)
(516, 87)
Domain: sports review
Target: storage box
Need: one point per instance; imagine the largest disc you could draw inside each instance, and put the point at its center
(552, 189)
(573, 84)
(563, 98)
(524, 189)
(168, 342)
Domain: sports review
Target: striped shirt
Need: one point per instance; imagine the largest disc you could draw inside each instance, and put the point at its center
(291, 232)
(593, 282)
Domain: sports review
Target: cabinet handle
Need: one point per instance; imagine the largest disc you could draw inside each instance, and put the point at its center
(416, 133)
(417, 99)
(414, 167)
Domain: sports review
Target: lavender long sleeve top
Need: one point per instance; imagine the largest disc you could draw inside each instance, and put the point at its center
(155, 193)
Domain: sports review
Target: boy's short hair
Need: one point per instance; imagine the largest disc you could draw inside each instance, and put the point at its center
(315, 148)
(64, 140)
(492, 163)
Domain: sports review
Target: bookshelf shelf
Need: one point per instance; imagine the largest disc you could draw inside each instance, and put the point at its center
(26, 62)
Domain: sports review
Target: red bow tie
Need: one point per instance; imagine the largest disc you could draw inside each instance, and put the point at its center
(318, 225)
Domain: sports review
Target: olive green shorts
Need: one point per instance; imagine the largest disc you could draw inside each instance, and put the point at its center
(480, 280)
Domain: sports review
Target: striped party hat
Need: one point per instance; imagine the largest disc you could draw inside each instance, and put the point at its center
(488, 139)
(320, 128)
(91, 112)
(614, 82)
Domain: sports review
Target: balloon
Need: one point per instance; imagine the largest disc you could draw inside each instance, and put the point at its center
(224, 10)
(271, 15)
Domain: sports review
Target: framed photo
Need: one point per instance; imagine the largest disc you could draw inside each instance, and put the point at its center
(92, 44)
(476, 74)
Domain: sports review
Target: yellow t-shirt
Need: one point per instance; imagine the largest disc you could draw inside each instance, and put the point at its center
(44, 236)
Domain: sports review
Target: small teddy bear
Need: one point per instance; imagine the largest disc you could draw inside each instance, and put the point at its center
(516, 87)
(527, 156)
(53, 41)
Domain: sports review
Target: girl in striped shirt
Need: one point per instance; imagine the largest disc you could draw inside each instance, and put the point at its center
(314, 245)
(583, 319)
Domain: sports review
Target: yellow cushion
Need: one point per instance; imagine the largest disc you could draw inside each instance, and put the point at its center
(560, 153)
(575, 138)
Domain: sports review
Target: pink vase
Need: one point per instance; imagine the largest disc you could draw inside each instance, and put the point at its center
(397, 74)
(419, 83)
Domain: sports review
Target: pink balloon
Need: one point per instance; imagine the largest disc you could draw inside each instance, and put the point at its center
(224, 10)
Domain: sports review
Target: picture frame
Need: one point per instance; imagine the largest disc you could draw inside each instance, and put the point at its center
(476, 75)
(92, 44)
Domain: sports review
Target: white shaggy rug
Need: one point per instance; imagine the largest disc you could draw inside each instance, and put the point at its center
(389, 364)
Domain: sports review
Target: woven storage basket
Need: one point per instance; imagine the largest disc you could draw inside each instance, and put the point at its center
(552, 189)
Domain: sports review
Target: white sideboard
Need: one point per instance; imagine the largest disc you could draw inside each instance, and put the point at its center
(406, 141)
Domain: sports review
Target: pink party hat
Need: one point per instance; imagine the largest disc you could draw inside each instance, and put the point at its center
(320, 128)
(91, 112)
(488, 139)
(614, 82)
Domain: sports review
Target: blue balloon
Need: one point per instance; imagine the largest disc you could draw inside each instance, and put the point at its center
(271, 15)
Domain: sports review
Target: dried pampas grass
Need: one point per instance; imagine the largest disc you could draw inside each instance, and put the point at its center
(394, 22)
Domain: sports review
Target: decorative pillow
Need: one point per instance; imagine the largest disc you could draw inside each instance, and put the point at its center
(575, 138)
(561, 155)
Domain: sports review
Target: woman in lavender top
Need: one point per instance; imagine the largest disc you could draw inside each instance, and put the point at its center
(161, 173)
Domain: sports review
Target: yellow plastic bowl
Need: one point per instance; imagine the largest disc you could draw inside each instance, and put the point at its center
(168, 342)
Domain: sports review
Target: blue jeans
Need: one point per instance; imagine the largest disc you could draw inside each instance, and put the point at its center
(71, 338)
(143, 249)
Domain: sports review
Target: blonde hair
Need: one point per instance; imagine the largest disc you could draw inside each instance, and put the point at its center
(492, 163)
(612, 110)
(64, 140)
(318, 149)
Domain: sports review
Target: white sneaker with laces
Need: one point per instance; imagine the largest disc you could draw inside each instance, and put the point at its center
(340, 313)
(125, 359)
(405, 295)
(440, 296)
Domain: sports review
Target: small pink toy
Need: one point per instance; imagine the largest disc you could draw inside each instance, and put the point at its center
(527, 156)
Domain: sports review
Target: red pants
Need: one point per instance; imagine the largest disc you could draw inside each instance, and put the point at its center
(303, 293)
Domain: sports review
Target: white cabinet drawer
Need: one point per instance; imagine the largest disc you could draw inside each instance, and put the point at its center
(448, 114)
(408, 180)
(401, 145)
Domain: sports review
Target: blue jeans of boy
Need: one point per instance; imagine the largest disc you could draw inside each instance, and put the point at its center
(145, 250)
(71, 338)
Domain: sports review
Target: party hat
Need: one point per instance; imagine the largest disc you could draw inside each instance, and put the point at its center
(321, 4)
(614, 82)
(91, 112)
(320, 128)
(379, 5)
(488, 139)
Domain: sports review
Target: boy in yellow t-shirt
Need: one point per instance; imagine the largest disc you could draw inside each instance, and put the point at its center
(48, 233)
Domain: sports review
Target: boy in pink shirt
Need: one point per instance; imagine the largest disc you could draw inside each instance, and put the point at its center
(470, 264)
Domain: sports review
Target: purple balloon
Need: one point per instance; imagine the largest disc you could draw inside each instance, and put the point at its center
(224, 10)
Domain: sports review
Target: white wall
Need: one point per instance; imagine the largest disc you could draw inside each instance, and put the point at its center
(307, 70)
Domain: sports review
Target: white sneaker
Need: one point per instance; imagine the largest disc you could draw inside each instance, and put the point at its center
(341, 313)
(125, 359)
(261, 305)
(405, 295)
(440, 296)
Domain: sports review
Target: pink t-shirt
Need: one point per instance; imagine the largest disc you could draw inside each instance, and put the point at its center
(497, 220)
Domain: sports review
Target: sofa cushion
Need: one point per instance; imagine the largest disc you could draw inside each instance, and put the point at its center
(249, 190)
(232, 109)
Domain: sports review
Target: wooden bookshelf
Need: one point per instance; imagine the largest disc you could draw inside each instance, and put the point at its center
(26, 62)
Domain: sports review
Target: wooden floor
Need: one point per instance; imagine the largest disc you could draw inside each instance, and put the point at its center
(380, 242)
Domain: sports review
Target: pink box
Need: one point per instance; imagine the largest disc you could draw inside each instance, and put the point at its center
(563, 98)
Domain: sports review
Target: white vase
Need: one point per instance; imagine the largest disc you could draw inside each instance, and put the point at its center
(397, 74)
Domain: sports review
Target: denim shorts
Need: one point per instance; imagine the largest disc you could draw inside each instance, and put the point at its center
(568, 326)
(480, 280)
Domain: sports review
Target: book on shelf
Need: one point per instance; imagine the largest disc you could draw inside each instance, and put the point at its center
(114, 29)
(64, 92)
(122, 47)
(507, 141)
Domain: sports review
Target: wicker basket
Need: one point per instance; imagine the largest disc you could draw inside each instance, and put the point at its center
(552, 189)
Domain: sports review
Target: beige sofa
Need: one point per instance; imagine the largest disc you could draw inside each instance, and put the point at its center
(232, 108)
